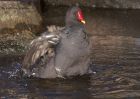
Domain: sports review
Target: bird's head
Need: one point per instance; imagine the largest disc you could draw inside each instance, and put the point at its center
(74, 16)
(80, 17)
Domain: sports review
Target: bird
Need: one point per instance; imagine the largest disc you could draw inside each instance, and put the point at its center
(63, 52)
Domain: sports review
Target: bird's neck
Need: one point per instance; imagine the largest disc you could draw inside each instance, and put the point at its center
(74, 26)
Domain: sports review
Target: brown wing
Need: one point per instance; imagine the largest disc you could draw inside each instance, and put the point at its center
(39, 47)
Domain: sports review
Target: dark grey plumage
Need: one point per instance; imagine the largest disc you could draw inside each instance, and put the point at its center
(67, 58)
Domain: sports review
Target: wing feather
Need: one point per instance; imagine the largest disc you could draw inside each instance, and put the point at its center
(39, 48)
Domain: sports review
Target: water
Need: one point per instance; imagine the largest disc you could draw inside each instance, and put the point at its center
(116, 64)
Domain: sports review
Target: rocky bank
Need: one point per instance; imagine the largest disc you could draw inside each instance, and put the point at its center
(19, 21)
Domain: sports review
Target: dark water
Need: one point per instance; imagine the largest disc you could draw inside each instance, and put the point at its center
(116, 64)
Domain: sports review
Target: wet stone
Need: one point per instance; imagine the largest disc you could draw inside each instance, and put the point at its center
(20, 21)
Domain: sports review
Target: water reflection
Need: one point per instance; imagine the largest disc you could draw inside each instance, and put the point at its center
(61, 89)
(116, 62)
(119, 49)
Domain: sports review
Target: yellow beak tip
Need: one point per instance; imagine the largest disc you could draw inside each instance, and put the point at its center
(83, 21)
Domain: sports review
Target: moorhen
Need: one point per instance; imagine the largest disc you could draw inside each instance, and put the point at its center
(62, 53)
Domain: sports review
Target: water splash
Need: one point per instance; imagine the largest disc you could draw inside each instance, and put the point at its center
(16, 71)
(11, 72)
